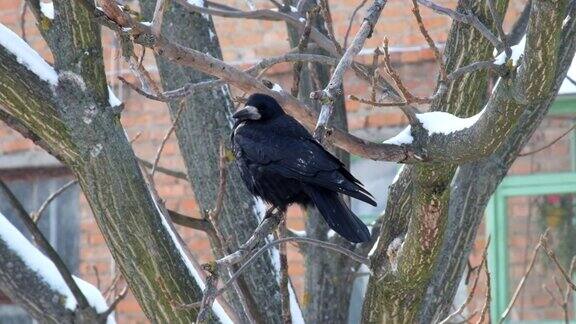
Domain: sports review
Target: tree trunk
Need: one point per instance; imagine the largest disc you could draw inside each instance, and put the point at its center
(329, 276)
(84, 131)
(393, 293)
(204, 124)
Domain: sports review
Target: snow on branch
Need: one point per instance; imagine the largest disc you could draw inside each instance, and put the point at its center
(46, 270)
(27, 56)
(435, 122)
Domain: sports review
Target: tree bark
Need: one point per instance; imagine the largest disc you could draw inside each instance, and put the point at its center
(473, 186)
(328, 277)
(204, 124)
(393, 293)
(98, 153)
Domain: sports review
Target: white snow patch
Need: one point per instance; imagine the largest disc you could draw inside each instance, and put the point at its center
(277, 88)
(404, 137)
(435, 122)
(259, 208)
(216, 307)
(566, 20)
(293, 9)
(373, 249)
(295, 311)
(112, 99)
(47, 9)
(27, 56)
(45, 268)
(211, 33)
(397, 176)
(330, 234)
(568, 87)
(517, 51)
(298, 233)
(250, 4)
(146, 23)
(439, 122)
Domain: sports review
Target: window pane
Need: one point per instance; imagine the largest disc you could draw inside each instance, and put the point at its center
(59, 223)
(551, 129)
(528, 218)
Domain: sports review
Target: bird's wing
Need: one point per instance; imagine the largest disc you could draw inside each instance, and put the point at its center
(300, 158)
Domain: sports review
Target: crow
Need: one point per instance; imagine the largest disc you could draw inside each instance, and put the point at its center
(282, 163)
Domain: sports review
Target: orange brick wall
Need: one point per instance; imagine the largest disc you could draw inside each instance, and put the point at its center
(243, 43)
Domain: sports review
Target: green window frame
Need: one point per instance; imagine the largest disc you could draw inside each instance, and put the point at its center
(497, 220)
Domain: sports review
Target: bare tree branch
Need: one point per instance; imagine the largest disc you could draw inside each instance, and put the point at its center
(45, 245)
(522, 280)
(328, 95)
(37, 214)
(549, 144)
(474, 285)
(469, 19)
(183, 106)
(351, 21)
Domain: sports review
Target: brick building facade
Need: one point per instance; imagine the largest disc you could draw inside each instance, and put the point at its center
(35, 174)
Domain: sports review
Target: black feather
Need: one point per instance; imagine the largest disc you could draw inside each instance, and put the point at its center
(282, 163)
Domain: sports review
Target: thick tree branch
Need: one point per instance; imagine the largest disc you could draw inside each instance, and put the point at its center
(39, 238)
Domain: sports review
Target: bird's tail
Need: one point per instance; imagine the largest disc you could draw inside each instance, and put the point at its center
(338, 216)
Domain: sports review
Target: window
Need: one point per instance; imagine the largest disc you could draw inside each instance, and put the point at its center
(59, 222)
(538, 193)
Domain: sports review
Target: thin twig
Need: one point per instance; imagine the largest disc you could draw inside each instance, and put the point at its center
(552, 296)
(135, 138)
(499, 29)
(408, 96)
(325, 10)
(376, 103)
(112, 287)
(568, 291)
(97, 275)
(218, 240)
(351, 21)
(263, 65)
(37, 214)
(549, 144)
(469, 19)
(44, 245)
(553, 257)
(329, 246)
(474, 285)
(375, 73)
(486, 307)
(284, 278)
(522, 280)
(222, 169)
(183, 105)
(429, 40)
(500, 70)
(173, 173)
(329, 94)
(158, 16)
(114, 303)
(302, 44)
(208, 297)
(23, 9)
(203, 225)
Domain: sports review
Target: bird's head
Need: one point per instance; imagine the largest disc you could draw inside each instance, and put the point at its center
(259, 107)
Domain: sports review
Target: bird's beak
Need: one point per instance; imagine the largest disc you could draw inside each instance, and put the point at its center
(247, 113)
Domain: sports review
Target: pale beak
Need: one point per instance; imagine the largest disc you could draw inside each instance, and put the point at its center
(247, 113)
